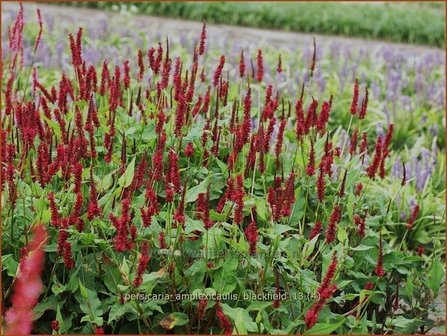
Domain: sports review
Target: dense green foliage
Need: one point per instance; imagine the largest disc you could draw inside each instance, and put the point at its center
(403, 22)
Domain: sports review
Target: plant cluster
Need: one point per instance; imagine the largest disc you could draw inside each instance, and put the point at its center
(241, 208)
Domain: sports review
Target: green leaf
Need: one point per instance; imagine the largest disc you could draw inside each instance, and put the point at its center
(126, 179)
(83, 290)
(174, 319)
(195, 132)
(118, 310)
(243, 323)
(60, 319)
(361, 247)
(193, 225)
(225, 280)
(9, 264)
(89, 305)
(309, 246)
(436, 275)
(179, 318)
(150, 281)
(408, 289)
(193, 193)
(44, 216)
(342, 235)
(280, 228)
(324, 328)
(222, 166)
(112, 277)
(261, 208)
(46, 304)
(149, 133)
(53, 125)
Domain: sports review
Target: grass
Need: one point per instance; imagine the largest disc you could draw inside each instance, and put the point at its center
(399, 22)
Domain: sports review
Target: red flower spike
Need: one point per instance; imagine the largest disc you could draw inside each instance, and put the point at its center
(55, 325)
(251, 232)
(289, 196)
(355, 97)
(201, 309)
(42, 162)
(77, 172)
(321, 186)
(332, 226)
(314, 59)
(268, 136)
(315, 230)
(166, 70)
(142, 264)
(55, 217)
(329, 275)
(105, 79)
(326, 290)
(369, 285)
(310, 168)
(379, 268)
(27, 287)
(206, 102)
(311, 117)
(99, 330)
(126, 78)
(251, 157)
(224, 321)
(358, 189)
(123, 226)
(360, 223)
(140, 65)
(189, 149)
(404, 175)
(218, 72)
(323, 117)
(353, 144)
(39, 34)
(388, 137)
(413, 216)
(279, 67)
(279, 141)
(420, 250)
(372, 169)
(173, 170)
(364, 106)
(202, 39)
(161, 240)
(242, 65)
(260, 64)
(246, 123)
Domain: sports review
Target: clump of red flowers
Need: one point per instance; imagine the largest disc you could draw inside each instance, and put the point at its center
(325, 291)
